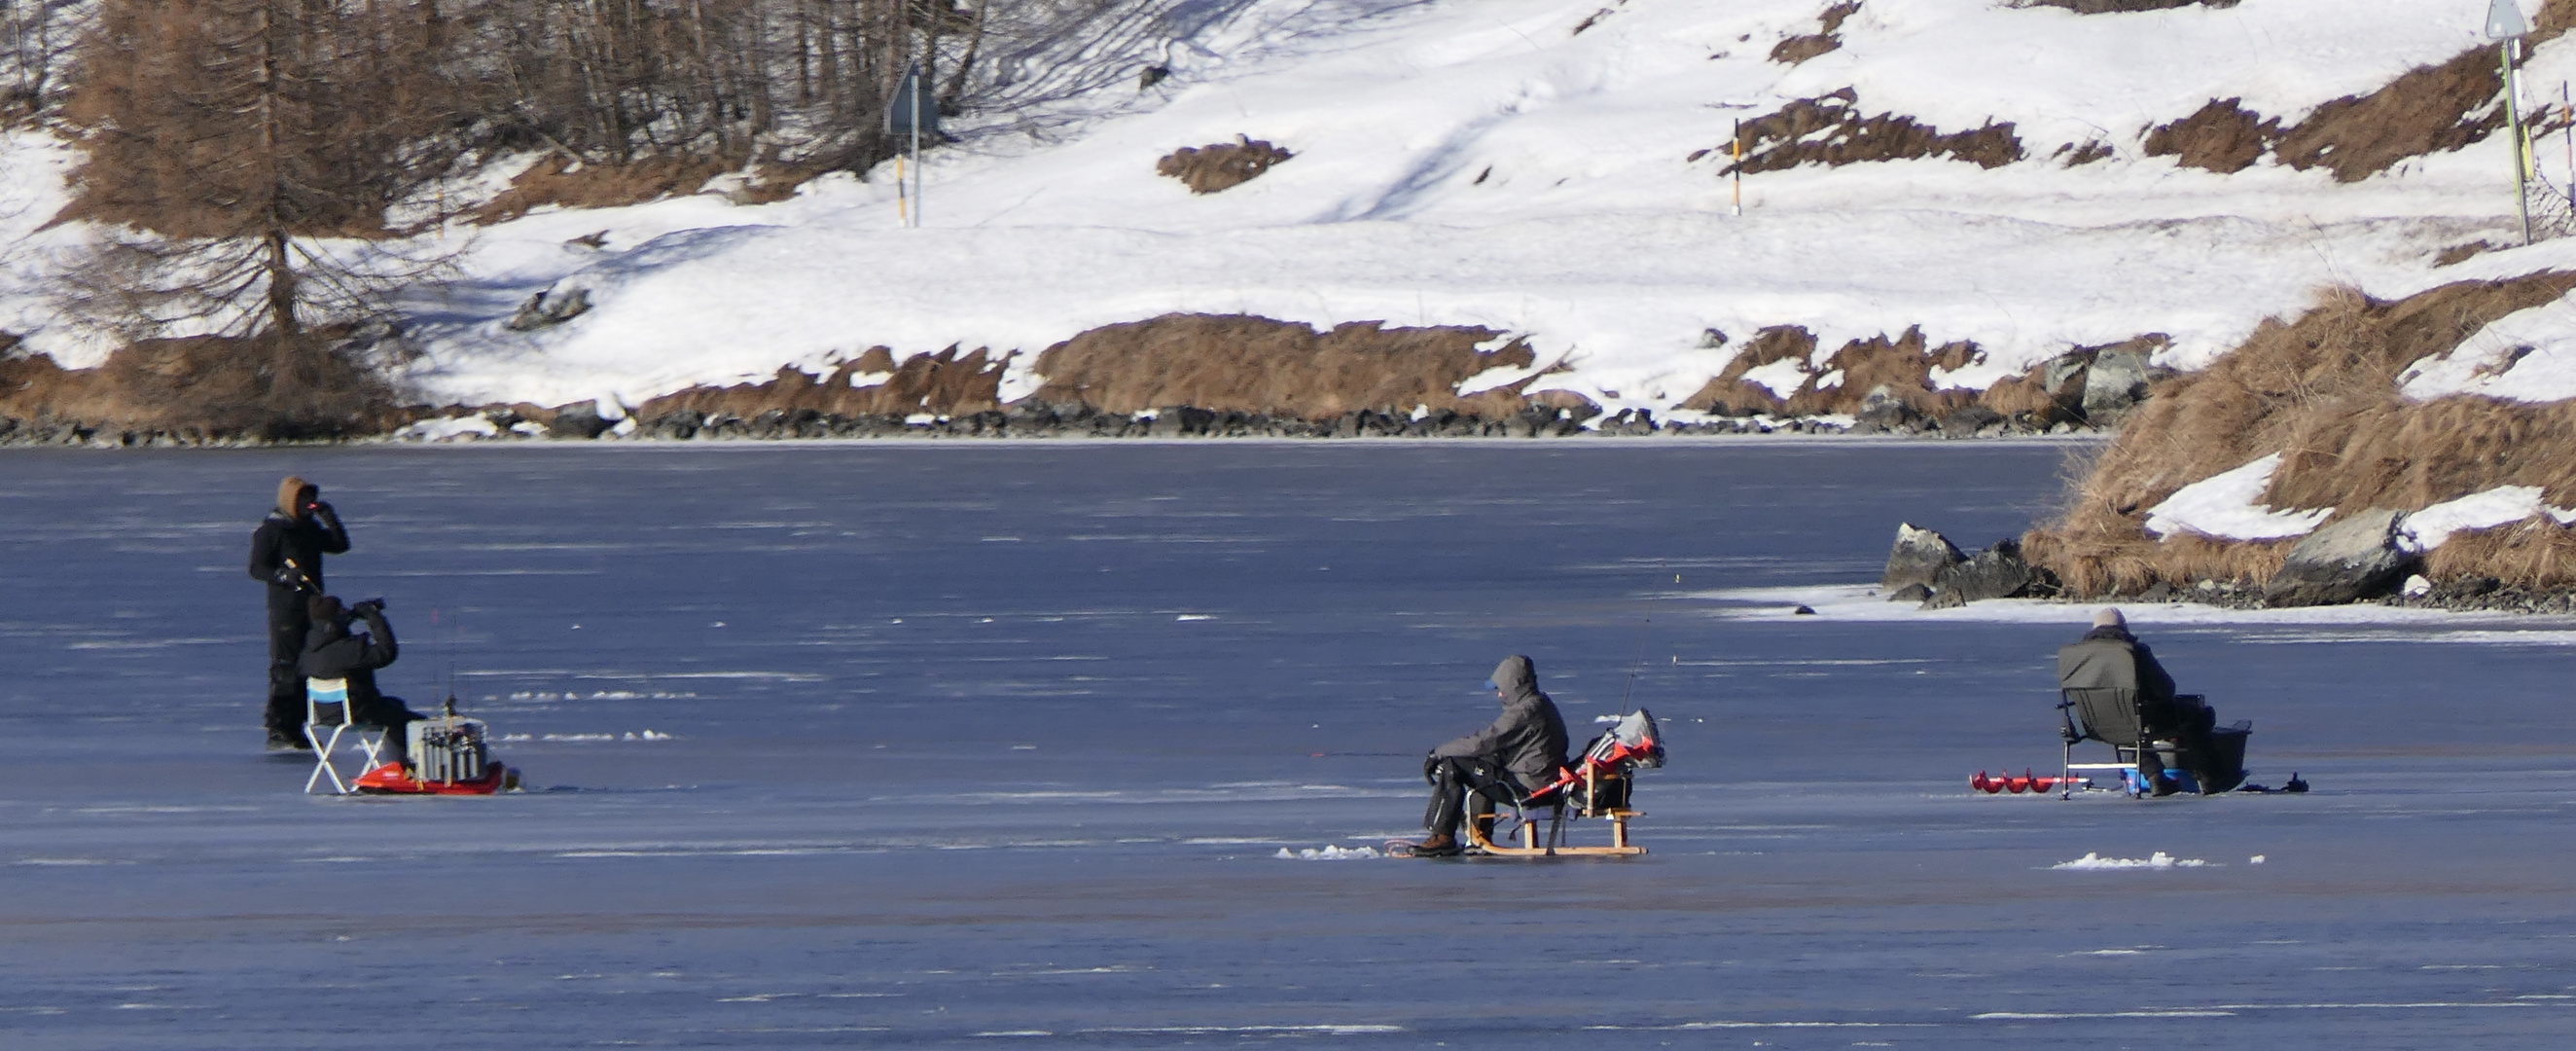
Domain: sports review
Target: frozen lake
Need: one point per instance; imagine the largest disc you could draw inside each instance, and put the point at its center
(976, 745)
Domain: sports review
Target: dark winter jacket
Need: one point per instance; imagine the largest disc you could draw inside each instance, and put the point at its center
(331, 651)
(2111, 657)
(287, 536)
(1528, 739)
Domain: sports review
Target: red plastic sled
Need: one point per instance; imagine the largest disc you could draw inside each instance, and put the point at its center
(392, 779)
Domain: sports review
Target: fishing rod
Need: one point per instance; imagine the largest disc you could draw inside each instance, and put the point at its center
(1638, 666)
(1635, 667)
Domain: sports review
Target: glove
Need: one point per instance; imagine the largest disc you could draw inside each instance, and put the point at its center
(323, 511)
(370, 606)
(287, 576)
(1431, 769)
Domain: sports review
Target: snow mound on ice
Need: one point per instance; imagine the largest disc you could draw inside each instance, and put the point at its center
(1328, 852)
(2158, 860)
(2225, 506)
(453, 428)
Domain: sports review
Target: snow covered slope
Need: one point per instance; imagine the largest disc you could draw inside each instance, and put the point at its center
(1548, 168)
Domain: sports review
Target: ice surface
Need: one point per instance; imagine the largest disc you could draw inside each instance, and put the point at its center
(842, 844)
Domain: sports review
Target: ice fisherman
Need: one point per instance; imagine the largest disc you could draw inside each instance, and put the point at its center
(332, 651)
(1521, 751)
(286, 554)
(2109, 656)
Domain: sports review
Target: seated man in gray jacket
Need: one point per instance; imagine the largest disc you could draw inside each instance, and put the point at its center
(1521, 751)
(2108, 656)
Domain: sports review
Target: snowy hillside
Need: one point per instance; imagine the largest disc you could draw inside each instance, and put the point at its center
(1551, 169)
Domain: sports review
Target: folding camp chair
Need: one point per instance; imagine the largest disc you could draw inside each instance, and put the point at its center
(2115, 716)
(2111, 715)
(326, 708)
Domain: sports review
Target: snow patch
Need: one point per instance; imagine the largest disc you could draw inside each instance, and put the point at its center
(2526, 356)
(453, 428)
(2158, 860)
(2225, 507)
(2503, 505)
(1328, 852)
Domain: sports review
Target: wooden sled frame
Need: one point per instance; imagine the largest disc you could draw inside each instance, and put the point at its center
(1479, 828)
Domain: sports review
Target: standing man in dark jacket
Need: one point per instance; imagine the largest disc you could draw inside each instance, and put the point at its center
(332, 651)
(1521, 751)
(286, 554)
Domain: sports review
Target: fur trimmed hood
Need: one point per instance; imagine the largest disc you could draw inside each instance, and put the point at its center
(288, 489)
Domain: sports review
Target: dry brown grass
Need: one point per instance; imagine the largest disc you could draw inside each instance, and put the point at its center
(1236, 363)
(1830, 130)
(2104, 7)
(2222, 137)
(206, 387)
(2322, 391)
(946, 383)
(2427, 109)
(1222, 166)
(557, 180)
(1796, 49)
(1729, 394)
(2536, 553)
(1903, 365)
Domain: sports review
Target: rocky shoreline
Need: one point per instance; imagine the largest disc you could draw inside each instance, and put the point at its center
(1028, 420)
(2328, 569)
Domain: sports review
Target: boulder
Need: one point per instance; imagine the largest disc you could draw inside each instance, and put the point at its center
(2063, 377)
(544, 310)
(1967, 420)
(1881, 412)
(2116, 381)
(579, 420)
(1916, 593)
(1919, 557)
(1996, 572)
(2352, 558)
(1178, 420)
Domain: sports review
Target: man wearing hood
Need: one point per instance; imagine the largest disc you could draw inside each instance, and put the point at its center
(2109, 656)
(286, 554)
(332, 651)
(1521, 751)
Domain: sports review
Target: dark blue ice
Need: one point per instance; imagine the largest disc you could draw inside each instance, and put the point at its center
(983, 745)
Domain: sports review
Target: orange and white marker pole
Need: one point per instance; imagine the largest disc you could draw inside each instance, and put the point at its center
(1737, 148)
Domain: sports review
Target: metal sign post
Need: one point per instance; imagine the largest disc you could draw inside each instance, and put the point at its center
(912, 112)
(2506, 26)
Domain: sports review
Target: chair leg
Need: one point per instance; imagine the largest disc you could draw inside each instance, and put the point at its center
(322, 748)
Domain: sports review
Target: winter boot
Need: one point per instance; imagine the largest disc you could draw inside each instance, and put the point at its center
(1438, 846)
